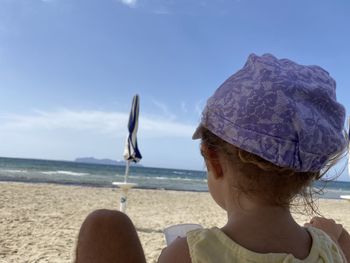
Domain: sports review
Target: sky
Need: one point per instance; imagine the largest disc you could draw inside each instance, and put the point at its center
(69, 68)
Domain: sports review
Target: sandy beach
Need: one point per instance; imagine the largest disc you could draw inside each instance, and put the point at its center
(40, 222)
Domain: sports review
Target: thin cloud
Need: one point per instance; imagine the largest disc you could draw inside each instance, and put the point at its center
(199, 107)
(112, 124)
(184, 107)
(129, 3)
(164, 110)
(161, 11)
(66, 134)
(101, 122)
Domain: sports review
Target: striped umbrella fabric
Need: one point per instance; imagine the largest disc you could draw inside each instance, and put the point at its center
(131, 150)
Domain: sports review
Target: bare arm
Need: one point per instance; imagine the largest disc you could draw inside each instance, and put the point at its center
(176, 252)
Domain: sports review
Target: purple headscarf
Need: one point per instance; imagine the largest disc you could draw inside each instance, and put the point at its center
(284, 112)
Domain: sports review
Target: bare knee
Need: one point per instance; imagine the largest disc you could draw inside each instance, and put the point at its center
(106, 213)
(105, 224)
(105, 218)
(107, 235)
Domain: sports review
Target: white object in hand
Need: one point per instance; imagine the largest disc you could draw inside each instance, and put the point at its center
(175, 231)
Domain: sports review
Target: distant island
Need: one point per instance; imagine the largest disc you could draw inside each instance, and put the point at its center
(103, 161)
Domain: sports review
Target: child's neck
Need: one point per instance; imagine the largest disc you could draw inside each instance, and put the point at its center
(266, 229)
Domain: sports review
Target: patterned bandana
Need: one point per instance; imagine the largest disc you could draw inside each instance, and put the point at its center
(284, 112)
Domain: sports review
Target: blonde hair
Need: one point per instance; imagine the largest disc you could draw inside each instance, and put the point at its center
(266, 181)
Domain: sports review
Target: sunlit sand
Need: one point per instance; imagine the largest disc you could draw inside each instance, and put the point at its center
(40, 222)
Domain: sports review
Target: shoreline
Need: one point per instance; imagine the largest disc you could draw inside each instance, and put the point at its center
(94, 185)
(104, 186)
(40, 222)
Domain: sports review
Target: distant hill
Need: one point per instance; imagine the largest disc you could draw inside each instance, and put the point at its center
(103, 161)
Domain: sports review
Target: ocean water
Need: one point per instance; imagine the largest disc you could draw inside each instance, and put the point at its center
(63, 172)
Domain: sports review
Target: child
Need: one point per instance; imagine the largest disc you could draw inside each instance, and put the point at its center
(266, 134)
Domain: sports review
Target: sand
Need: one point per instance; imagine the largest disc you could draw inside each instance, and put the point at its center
(40, 222)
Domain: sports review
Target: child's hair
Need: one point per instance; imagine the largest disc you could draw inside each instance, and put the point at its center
(266, 181)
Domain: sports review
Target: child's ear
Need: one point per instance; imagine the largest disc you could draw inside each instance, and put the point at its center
(212, 160)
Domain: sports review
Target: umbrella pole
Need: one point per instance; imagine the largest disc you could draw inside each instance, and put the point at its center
(126, 171)
(125, 189)
(123, 199)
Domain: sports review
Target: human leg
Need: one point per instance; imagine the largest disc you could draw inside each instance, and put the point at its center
(108, 236)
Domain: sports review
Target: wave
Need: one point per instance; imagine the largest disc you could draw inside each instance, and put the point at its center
(177, 172)
(64, 173)
(168, 178)
(14, 171)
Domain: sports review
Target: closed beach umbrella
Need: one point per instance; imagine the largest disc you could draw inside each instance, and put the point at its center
(131, 150)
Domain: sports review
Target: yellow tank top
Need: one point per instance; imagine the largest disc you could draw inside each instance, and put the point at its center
(213, 246)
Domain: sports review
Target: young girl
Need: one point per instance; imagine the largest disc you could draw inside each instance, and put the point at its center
(267, 133)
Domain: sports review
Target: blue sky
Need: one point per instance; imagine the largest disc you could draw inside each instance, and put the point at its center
(69, 68)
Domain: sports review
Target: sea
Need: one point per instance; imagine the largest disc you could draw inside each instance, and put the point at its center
(100, 175)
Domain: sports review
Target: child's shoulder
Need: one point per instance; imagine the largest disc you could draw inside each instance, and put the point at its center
(176, 252)
(323, 245)
(321, 239)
